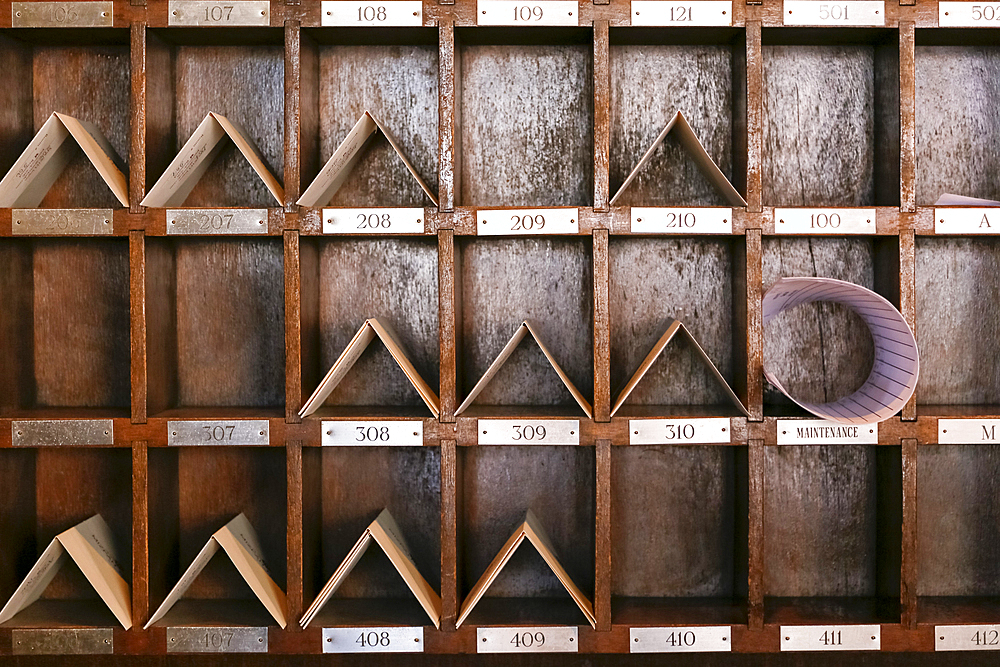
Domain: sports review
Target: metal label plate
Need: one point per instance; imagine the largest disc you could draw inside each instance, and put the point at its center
(701, 431)
(529, 432)
(518, 222)
(831, 637)
(230, 13)
(968, 15)
(63, 641)
(59, 221)
(834, 221)
(966, 637)
(373, 640)
(968, 431)
(967, 220)
(61, 14)
(538, 12)
(234, 432)
(62, 432)
(408, 433)
(681, 220)
(388, 13)
(694, 13)
(527, 640)
(846, 12)
(823, 432)
(217, 221)
(681, 639)
(373, 220)
(216, 640)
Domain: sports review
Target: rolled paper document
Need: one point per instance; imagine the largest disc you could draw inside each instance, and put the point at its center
(897, 364)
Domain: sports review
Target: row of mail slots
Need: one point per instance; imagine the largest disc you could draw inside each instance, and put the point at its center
(41, 163)
(91, 547)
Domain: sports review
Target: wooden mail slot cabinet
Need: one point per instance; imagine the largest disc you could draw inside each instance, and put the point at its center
(145, 326)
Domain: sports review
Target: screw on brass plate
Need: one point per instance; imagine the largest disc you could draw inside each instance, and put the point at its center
(329, 13)
(174, 13)
(260, 222)
(262, 433)
(636, 640)
(723, 430)
(415, 433)
(18, 222)
(414, 13)
(260, 640)
(484, 638)
(784, 432)
(19, 13)
(572, 220)
(571, 639)
(419, 221)
(572, 432)
(329, 640)
(104, 13)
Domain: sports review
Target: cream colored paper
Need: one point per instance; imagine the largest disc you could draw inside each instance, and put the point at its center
(673, 329)
(385, 532)
(531, 528)
(47, 155)
(198, 153)
(339, 166)
(508, 349)
(690, 143)
(371, 328)
(238, 539)
(90, 545)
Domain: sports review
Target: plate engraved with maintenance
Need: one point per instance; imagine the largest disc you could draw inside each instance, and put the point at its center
(680, 639)
(694, 13)
(62, 432)
(217, 221)
(61, 14)
(529, 432)
(968, 431)
(517, 222)
(984, 220)
(967, 637)
(63, 641)
(216, 640)
(373, 221)
(660, 220)
(391, 13)
(527, 640)
(207, 13)
(968, 14)
(58, 221)
(236, 432)
(831, 637)
(700, 431)
(373, 640)
(824, 220)
(537, 12)
(408, 433)
(847, 12)
(823, 432)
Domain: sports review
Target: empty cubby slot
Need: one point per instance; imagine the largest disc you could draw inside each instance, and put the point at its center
(215, 335)
(498, 486)
(832, 526)
(394, 75)
(831, 117)
(65, 323)
(958, 143)
(957, 284)
(506, 281)
(687, 562)
(345, 489)
(345, 282)
(195, 491)
(82, 73)
(528, 103)
(238, 74)
(696, 281)
(44, 492)
(823, 351)
(958, 559)
(656, 72)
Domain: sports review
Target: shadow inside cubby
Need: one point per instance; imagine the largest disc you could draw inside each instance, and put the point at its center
(958, 141)
(527, 99)
(685, 562)
(503, 282)
(64, 328)
(958, 556)
(823, 351)
(392, 73)
(215, 335)
(44, 492)
(239, 74)
(345, 489)
(348, 280)
(831, 117)
(702, 283)
(195, 491)
(656, 72)
(832, 534)
(957, 287)
(81, 73)
(497, 487)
